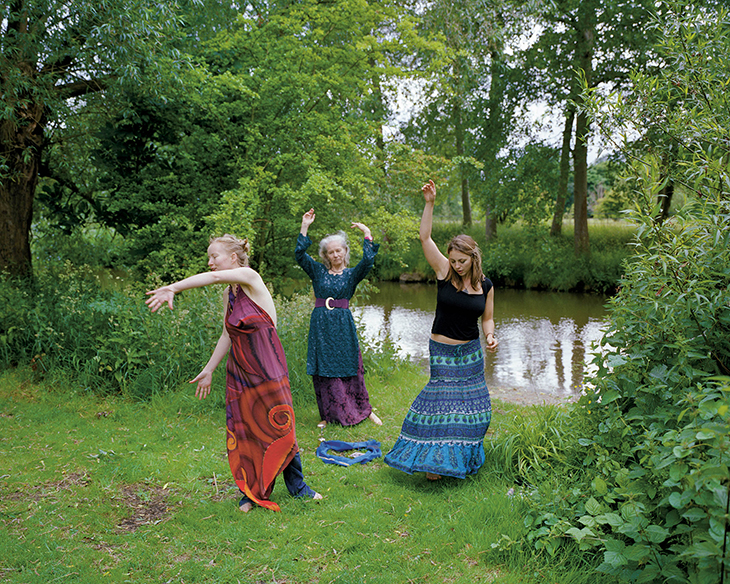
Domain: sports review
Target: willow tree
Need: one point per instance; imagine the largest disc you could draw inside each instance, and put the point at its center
(466, 116)
(54, 56)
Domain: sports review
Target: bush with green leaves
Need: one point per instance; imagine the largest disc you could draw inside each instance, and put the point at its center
(105, 339)
(655, 492)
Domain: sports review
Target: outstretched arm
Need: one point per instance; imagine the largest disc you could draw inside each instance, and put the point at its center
(249, 279)
(434, 257)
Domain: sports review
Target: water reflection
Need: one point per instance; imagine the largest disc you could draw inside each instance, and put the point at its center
(544, 337)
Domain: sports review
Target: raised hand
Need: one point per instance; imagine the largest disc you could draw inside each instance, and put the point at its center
(365, 230)
(429, 191)
(308, 219)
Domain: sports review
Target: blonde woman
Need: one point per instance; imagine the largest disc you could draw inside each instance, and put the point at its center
(259, 416)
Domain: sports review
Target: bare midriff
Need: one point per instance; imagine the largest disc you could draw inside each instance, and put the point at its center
(446, 340)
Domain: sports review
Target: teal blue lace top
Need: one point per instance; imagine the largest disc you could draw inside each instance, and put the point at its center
(333, 347)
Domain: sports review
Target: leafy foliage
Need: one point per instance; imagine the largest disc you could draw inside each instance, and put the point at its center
(655, 493)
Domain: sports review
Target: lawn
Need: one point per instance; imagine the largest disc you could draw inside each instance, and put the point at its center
(111, 490)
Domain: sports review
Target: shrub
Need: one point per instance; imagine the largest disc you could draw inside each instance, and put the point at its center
(656, 494)
(107, 341)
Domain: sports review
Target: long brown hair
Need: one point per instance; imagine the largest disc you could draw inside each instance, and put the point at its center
(234, 245)
(466, 245)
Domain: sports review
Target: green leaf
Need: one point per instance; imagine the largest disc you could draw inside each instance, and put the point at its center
(613, 519)
(694, 514)
(637, 552)
(656, 533)
(702, 549)
(600, 485)
(593, 507)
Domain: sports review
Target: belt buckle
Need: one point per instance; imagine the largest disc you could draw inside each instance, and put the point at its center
(327, 303)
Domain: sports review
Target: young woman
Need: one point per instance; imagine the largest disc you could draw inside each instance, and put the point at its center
(443, 433)
(259, 415)
(333, 355)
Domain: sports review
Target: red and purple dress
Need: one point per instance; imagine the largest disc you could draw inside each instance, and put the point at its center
(259, 415)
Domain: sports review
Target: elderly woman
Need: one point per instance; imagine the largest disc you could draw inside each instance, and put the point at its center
(334, 359)
(261, 439)
(443, 433)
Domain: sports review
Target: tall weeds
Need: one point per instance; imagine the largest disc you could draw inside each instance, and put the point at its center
(105, 340)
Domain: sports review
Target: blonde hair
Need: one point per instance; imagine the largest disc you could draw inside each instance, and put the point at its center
(466, 245)
(340, 236)
(232, 244)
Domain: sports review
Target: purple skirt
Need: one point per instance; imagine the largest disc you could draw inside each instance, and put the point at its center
(343, 399)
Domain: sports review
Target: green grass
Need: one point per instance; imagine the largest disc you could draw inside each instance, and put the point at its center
(101, 489)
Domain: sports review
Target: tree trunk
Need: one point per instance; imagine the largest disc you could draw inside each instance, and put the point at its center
(465, 202)
(584, 55)
(21, 145)
(580, 187)
(665, 200)
(490, 225)
(557, 226)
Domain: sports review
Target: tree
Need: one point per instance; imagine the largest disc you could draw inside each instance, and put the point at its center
(297, 95)
(595, 43)
(651, 496)
(54, 57)
(469, 107)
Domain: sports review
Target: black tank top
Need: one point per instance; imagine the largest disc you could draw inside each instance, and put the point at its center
(457, 313)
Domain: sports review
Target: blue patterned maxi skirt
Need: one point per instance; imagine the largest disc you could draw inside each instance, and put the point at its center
(443, 432)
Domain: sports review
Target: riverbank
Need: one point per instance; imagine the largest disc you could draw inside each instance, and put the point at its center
(528, 259)
(109, 490)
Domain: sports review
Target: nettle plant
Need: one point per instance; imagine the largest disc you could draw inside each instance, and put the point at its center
(654, 498)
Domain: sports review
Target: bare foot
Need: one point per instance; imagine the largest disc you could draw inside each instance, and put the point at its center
(374, 419)
(432, 477)
(322, 425)
(246, 507)
(317, 497)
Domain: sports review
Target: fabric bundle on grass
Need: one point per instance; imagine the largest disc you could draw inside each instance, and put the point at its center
(371, 448)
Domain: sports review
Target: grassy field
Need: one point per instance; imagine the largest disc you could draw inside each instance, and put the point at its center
(108, 490)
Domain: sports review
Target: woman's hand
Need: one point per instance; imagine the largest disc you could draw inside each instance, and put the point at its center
(429, 191)
(204, 381)
(365, 230)
(491, 342)
(158, 298)
(307, 220)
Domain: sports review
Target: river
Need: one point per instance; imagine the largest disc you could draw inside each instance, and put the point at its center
(545, 338)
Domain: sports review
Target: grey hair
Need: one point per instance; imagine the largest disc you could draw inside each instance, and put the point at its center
(340, 237)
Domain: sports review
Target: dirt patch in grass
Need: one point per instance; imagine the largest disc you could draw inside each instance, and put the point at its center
(37, 492)
(148, 506)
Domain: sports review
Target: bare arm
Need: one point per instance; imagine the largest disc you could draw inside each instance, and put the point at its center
(307, 220)
(204, 379)
(438, 261)
(249, 279)
(488, 322)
